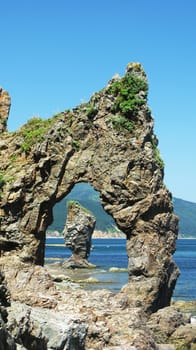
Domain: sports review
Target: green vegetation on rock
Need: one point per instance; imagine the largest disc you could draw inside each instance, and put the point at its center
(131, 93)
(3, 180)
(2, 183)
(121, 123)
(34, 131)
(157, 155)
(71, 204)
(76, 145)
(91, 112)
(158, 158)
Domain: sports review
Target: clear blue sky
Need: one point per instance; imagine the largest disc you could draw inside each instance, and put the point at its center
(55, 54)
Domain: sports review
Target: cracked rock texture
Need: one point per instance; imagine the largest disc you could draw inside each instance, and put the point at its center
(108, 142)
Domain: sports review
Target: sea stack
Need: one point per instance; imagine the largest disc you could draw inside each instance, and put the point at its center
(77, 233)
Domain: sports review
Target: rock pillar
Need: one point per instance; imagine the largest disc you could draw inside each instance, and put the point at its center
(78, 231)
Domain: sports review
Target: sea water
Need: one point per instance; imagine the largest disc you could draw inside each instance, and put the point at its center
(185, 258)
(108, 253)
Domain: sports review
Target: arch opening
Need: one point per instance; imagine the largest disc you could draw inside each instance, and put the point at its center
(108, 251)
(89, 198)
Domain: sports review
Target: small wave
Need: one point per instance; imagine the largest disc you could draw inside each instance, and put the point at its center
(53, 259)
(54, 245)
(118, 269)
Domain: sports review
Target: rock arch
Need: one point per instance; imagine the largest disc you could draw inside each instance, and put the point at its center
(89, 198)
(109, 143)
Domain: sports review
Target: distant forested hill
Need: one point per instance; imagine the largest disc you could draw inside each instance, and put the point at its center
(187, 215)
(89, 198)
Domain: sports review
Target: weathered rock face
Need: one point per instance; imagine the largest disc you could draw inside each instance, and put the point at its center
(5, 103)
(84, 319)
(4, 294)
(80, 224)
(35, 328)
(6, 340)
(109, 143)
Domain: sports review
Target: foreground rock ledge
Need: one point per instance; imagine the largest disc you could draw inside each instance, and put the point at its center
(61, 315)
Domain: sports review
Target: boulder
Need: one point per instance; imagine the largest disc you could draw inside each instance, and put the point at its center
(35, 328)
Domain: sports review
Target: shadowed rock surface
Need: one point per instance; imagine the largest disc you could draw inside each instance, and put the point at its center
(6, 340)
(108, 142)
(79, 227)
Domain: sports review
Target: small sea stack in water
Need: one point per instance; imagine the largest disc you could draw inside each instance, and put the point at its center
(77, 233)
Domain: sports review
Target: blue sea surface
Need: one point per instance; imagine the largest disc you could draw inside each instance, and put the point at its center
(107, 253)
(185, 258)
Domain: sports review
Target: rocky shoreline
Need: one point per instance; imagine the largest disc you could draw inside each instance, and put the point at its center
(50, 308)
(103, 234)
(51, 311)
(96, 234)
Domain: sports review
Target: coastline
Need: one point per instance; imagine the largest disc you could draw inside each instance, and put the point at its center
(186, 238)
(104, 234)
(96, 234)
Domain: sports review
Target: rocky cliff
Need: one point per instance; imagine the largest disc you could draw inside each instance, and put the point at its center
(108, 142)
